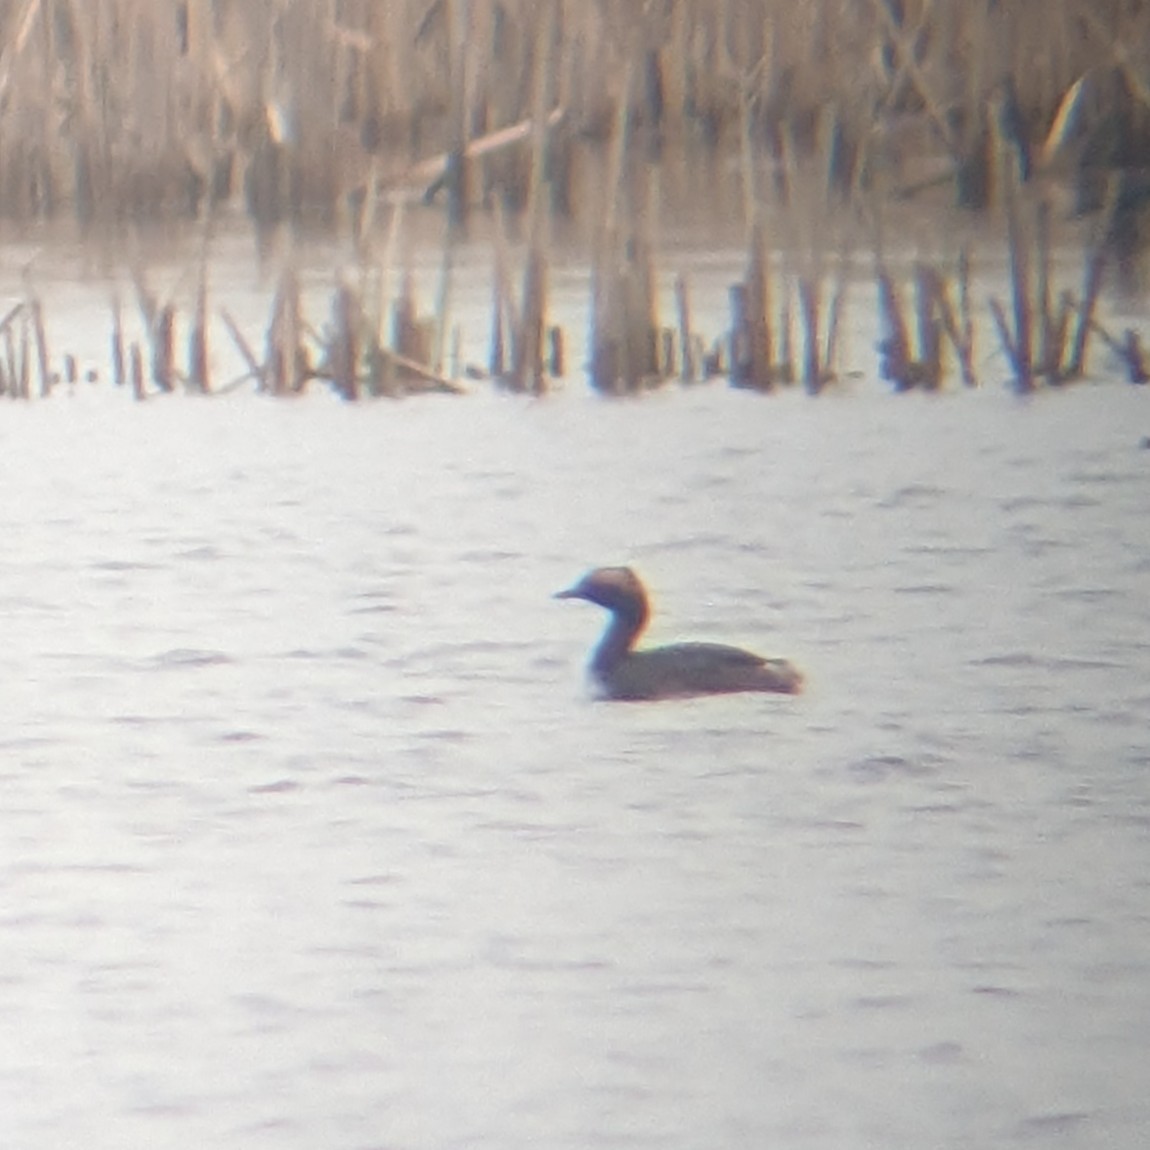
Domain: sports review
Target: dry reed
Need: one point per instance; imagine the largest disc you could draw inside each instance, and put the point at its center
(125, 109)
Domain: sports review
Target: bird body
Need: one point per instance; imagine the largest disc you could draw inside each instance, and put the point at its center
(675, 671)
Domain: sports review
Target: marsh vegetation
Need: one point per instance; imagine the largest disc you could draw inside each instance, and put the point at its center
(823, 134)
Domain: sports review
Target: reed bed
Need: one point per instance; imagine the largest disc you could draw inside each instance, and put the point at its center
(125, 109)
(811, 122)
(362, 340)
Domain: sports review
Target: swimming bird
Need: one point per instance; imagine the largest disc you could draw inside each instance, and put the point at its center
(675, 671)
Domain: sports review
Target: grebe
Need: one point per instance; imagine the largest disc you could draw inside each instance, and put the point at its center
(675, 671)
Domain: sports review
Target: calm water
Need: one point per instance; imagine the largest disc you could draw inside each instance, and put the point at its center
(312, 836)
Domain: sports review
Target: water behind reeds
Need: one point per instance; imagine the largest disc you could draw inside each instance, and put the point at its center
(313, 837)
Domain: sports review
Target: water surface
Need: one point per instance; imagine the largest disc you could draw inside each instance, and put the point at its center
(313, 835)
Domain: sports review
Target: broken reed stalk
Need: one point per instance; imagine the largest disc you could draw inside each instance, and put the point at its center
(456, 174)
(752, 350)
(198, 380)
(1129, 351)
(767, 344)
(956, 323)
(11, 314)
(443, 299)
(1056, 368)
(1019, 346)
(527, 370)
(739, 337)
(12, 362)
(786, 341)
(159, 325)
(1093, 275)
(812, 212)
(608, 370)
(502, 305)
(25, 359)
(557, 357)
(355, 356)
(922, 366)
(1002, 326)
(163, 349)
(37, 315)
(819, 356)
(285, 369)
(809, 308)
(926, 295)
(387, 264)
(409, 362)
(628, 348)
(343, 348)
(417, 373)
(1055, 323)
(119, 374)
(255, 368)
(754, 367)
(643, 329)
(894, 343)
(456, 343)
(1061, 356)
(137, 361)
(687, 366)
(145, 298)
(11, 376)
(1049, 355)
(959, 326)
(198, 365)
(834, 324)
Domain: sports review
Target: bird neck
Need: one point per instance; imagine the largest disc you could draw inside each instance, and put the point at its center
(624, 628)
